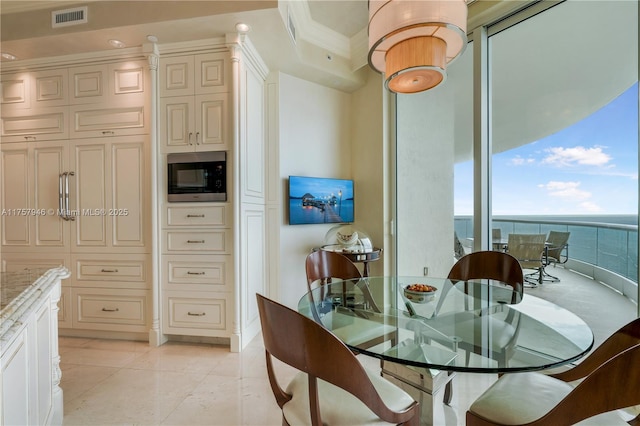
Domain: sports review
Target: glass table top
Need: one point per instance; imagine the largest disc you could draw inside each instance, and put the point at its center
(475, 326)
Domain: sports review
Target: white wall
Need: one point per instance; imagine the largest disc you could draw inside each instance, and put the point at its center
(314, 140)
(425, 181)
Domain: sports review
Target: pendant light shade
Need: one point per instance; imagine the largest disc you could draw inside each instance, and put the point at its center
(412, 41)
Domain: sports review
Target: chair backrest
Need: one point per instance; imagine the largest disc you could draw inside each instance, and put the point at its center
(307, 346)
(322, 265)
(557, 243)
(612, 386)
(626, 337)
(496, 234)
(527, 248)
(494, 265)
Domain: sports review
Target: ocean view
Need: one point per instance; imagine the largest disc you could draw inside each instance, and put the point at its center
(607, 241)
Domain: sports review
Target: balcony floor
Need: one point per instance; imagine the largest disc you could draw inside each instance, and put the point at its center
(121, 382)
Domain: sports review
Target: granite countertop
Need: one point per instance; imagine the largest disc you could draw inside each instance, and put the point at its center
(12, 284)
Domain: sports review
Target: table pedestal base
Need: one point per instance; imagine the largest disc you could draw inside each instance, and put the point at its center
(424, 385)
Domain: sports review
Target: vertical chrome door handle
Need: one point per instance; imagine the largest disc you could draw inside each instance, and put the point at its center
(66, 196)
(189, 140)
(197, 138)
(61, 211)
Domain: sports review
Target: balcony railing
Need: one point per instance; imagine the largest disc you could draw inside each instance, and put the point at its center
(604, 246)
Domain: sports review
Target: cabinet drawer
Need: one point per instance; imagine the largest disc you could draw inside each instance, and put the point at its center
(196, 216)
(96, 270)
(215, 241)
(196, 273)
(107, 309)
(196, 313)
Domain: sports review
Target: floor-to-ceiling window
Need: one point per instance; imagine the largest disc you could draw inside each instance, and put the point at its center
(562, 103)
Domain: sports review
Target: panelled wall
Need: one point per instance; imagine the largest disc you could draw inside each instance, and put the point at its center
(76, 179)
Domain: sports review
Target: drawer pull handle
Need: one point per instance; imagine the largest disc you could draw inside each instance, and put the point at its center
(196, 314)
(195, 273)
(108, 270)
(30, 138)
(108, 132)
(110, 309)
(195, 215)
(195, 241)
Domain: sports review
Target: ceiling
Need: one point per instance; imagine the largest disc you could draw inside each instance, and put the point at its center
(330, 47)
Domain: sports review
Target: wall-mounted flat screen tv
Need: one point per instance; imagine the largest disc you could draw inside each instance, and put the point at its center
(320, 200)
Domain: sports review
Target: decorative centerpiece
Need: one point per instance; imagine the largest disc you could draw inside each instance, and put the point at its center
(347, 239)
(420, 293)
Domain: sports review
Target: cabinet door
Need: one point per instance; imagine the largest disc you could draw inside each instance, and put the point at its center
(88, 84)
(176, 76)
(111, 195)
(211, 122)
(91, 185)
(23, 125)
(16, 91)
(50, 88)
(177, 124)
(15, 195)
(130, 196)
(210, 73)
(50, 159)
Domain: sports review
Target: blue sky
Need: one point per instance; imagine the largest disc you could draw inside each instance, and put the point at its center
(588, 168)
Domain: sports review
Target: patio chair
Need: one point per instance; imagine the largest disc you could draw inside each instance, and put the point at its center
(529, 250)
(331, 386)
(496, 239)
(557, 251)
(607, 380)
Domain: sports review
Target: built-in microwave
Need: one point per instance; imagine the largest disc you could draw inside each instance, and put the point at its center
(197, 176)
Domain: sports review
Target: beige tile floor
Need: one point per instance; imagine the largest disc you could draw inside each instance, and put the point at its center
(110, 382)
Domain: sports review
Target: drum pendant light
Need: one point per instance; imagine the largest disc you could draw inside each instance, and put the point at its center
(412, 41)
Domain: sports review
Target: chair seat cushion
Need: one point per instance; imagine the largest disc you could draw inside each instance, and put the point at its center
(521, 398)
(337, 406)
(506, 403)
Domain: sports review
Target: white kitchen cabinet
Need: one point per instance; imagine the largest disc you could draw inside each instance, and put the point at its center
(37, 124)
(109, 83)
(99, 120)
(110, 195)
(87, 126)
(197, 269)
(194, 123)
(31, 196)
(194, 74)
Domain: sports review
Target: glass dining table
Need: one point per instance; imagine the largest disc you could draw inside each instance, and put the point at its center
(423, 339)
(479, 326)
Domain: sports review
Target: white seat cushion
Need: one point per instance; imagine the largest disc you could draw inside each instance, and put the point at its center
(521, 398)
(338, 407)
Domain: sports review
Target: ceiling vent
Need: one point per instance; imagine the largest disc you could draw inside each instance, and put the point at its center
(67, 17)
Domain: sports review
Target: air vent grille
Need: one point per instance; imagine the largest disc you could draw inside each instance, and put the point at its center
(64, 18)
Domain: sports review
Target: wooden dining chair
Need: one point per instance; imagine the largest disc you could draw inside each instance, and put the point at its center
(331, 386)
(322, 266)
(493, 265)
(607, 380)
